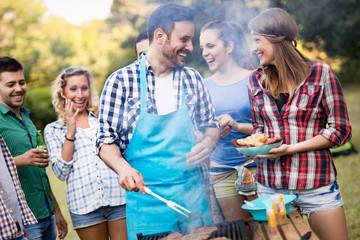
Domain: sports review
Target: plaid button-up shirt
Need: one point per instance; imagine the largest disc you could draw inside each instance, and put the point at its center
(9, 227)
(90, 183)
(316, 108)
(120, 102)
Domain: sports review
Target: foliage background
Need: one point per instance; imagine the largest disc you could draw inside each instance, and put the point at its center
(46, 44)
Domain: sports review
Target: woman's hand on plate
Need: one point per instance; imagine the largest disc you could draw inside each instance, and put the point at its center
(274, 153)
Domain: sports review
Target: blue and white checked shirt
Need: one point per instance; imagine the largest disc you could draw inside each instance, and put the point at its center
(120, 102)
(90, 183)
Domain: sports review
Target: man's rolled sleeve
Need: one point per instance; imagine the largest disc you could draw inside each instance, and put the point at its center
(111, 108)
(339, 126)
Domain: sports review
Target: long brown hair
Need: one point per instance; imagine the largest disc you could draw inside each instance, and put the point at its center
(58, 88)
(292, 67)
(232, 32)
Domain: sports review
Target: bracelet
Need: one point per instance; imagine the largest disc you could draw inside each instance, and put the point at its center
(71, 140)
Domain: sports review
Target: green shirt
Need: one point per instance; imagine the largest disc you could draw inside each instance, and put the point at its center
(20, 136)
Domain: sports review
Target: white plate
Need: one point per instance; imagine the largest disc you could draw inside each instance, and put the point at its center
(265, 149)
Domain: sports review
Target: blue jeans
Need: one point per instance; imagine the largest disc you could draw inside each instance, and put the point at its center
(103, 214)
(45, 229)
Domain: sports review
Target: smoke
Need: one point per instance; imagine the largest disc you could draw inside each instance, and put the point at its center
(240, 12)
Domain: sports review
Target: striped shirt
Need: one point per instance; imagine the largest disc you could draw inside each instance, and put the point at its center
(120, 102)
(90, 183)
(316, 103)
(10, 228)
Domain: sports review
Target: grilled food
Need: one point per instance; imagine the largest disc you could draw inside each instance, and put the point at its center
(255, 140)
(173, 236)
(201, 233)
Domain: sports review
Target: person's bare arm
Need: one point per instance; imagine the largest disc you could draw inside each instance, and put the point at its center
(227, 123)
(67, 150)
(129, 178)
(61, 223)
(315, 143)
(201, 151)
(33, 157)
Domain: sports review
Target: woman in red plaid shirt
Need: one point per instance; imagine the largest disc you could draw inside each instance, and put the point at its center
(302, 102)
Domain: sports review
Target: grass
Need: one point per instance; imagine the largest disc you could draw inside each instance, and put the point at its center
(348, 168)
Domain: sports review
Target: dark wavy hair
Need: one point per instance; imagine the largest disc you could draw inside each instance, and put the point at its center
(9, 64)
(232, 32)
(142, 35)
(165, 16)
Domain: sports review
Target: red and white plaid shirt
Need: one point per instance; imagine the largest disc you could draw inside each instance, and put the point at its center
(316, 108)
(9, 227)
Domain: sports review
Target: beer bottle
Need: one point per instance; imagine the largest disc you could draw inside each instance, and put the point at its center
(40, 144)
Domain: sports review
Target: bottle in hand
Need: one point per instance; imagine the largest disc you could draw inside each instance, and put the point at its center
(40, 144)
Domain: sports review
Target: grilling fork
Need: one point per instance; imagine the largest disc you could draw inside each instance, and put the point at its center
(170, 204)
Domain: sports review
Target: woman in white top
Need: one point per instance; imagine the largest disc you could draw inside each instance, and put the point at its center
(95, 199)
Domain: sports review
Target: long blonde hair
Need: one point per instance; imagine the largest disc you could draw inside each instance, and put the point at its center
(58, 88)
(292, 67)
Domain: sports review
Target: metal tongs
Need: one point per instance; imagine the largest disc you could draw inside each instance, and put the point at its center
(170, 204)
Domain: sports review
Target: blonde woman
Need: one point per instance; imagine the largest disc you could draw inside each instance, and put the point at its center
(96, 201)
(302, 102)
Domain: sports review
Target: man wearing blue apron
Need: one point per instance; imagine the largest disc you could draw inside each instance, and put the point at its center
(148, 116)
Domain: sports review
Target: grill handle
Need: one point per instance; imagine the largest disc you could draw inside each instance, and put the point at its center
(192, 216)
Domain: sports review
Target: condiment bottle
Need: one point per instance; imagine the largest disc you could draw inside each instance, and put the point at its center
(40, 144)
(279, 208)
(271, 219)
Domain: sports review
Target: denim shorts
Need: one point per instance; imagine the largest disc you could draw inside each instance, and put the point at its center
(44, 229)
(314, 200)
(103, 214)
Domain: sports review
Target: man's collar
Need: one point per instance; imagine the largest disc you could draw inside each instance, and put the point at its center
(4, 110)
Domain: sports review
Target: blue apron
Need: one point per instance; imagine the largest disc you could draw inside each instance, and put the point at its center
(157, 150)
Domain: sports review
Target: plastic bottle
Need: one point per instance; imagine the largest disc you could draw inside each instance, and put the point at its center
(271, 219)
(279, 208)
(40, 144)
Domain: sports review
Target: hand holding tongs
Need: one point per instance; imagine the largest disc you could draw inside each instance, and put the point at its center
(171, 204)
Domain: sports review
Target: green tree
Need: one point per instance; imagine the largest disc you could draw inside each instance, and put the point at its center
(333, 26)
(38, 101)
(17, 20)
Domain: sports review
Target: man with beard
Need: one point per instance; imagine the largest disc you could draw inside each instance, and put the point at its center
(149, 113)
(19, 133)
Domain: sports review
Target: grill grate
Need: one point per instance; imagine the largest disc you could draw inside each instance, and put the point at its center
(235, 230)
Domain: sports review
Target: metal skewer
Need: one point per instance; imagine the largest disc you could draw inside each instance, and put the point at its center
(170, 204)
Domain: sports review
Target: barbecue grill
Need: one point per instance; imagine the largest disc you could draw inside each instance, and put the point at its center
(235, 230)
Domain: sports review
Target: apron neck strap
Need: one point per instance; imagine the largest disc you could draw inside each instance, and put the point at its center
(143, 88)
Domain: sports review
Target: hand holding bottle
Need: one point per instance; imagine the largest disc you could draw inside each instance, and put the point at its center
(40, 144)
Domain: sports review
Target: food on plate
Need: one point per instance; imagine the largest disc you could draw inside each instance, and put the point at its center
(196, 236)
(173, 236)
(255, 140)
